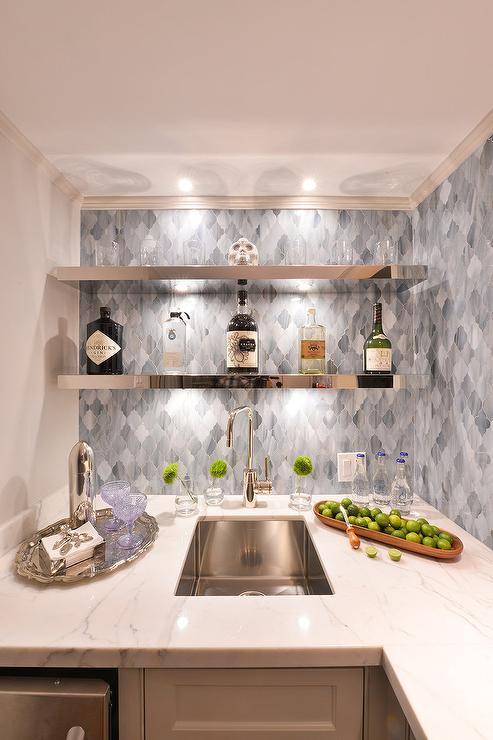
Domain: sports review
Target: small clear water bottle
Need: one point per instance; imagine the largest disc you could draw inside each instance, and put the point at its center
(360, 485)
(401, 496)
(381, 482)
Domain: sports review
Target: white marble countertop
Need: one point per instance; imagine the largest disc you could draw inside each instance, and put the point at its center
(429, 623)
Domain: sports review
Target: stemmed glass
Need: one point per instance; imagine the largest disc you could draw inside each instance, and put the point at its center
(128, 509)
(111, 493)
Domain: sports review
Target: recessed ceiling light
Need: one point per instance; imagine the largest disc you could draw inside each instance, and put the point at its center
(185, 185)
(309, 184)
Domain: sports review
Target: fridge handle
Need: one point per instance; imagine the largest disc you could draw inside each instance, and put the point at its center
(76, 733)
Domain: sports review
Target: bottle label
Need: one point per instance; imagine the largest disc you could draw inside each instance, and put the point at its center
(313, 349)
(173, 360)
(99, 347)
(242, 349)
(379, 358)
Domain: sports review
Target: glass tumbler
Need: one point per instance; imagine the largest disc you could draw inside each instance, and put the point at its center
(107, 253)
(193, 252)
(386, 252)
(111, 493)
(149, 251)
(129, 508)
(344, 253)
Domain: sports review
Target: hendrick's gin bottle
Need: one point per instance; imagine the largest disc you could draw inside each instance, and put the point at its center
(104, 345)
(242, 337)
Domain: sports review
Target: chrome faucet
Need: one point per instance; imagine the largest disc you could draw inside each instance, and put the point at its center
(251, 484)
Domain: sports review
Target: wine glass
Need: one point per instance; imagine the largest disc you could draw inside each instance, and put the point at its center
(111, 493)
(129, 508)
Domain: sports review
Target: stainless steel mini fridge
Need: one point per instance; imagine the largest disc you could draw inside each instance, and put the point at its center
(54, 708)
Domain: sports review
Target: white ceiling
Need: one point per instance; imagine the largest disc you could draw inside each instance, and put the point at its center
(246, 97)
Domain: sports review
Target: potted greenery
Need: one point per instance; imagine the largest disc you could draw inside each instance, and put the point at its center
(300, 499)
(185, 503)
(214, 495)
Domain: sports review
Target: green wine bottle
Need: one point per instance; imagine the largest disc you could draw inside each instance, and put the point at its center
(377, 351)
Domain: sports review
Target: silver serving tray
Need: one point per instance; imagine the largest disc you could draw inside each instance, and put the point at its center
(107, 558)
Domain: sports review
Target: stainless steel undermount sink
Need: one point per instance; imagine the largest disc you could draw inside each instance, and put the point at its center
(252, 558)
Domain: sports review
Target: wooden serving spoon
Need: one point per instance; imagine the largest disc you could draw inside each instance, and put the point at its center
(354, 540)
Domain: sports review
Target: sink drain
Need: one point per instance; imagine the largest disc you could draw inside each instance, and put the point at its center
(252, 593)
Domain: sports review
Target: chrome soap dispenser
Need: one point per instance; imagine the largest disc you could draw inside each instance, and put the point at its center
(81, 484)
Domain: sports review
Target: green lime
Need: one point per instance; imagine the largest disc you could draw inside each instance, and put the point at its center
(383, 520)
(395, 555)
(446, 536)
(428, 541)
(435, 530)
(364, 511)
(346, 502)
(426, 529)
(422, 521)
(327, 512)
(353, 510)
(371, 551)
(399, 533)
(339, 517)
(375, 511)
(395, 521)
(444, 544)
(413, 526)
(396, 512)
(413, 537)
(389, 530)
(360, 522)
(335, 508)
(373, 526)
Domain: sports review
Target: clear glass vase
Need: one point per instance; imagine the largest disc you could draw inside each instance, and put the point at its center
(214, 495)
(186, 503)
(301, 499)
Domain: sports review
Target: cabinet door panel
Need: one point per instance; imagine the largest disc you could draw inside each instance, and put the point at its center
(265, 704)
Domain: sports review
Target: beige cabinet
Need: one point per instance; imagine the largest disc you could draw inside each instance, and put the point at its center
(265, 704)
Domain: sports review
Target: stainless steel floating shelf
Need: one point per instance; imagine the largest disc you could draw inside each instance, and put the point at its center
(187, 381)
(214, 278)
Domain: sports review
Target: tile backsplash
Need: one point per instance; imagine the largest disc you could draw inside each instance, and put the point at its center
(134, 433)
(453, 233)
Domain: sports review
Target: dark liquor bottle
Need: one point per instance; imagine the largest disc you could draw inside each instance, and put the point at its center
(104, 345)
(377, 352)
(242, 337)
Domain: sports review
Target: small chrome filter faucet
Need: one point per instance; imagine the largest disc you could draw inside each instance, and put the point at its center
(251, 485)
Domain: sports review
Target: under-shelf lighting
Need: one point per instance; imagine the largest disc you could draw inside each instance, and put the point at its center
(304, 285)
(182, 287)
(185, 185)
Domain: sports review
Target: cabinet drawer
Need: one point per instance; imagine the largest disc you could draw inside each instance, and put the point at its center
(266, 704)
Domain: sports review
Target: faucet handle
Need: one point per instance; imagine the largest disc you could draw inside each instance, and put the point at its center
(264, 486)
(266, 467)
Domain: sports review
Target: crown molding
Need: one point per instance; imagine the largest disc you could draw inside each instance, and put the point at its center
(16, 137)
(199, 202)
(462, 151)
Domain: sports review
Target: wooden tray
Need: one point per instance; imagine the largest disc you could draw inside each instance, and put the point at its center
(387, 539)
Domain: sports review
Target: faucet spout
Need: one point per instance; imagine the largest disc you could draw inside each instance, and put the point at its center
(229, 431)
(250, 483)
